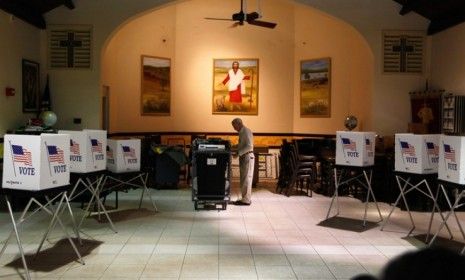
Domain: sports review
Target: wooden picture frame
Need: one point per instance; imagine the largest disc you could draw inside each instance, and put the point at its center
(315, 88)
(236, 94)
(30, 86)
(155, 86)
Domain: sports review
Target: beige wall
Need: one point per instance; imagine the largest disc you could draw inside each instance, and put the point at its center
(321, 35)
(18, 40)
(448, 57)
(77, 93)
(192, 43)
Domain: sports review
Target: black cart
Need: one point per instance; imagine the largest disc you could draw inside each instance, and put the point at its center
(211, 172)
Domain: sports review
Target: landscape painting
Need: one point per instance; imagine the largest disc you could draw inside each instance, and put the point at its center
(235, 86)
(315, 88)
(155, 85)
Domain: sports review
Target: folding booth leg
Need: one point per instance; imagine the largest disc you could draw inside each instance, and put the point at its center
(20, 246)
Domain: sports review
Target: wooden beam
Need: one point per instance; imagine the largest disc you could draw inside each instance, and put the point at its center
(409, 6)
(24, 13)
(405, 10)
(69, 4)
(442, 24)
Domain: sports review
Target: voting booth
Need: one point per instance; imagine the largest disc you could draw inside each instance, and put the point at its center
(33, 162)
(87, 150)
(416, 153)
(355, 148)
(123, 155)
(451, 166)
(355, 158)
(451, 175)
(416, 168)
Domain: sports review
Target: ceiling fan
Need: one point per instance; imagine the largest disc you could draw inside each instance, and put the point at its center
(250, 18)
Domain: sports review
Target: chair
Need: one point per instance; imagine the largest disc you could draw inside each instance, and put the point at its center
(296, 170)
(303, 172)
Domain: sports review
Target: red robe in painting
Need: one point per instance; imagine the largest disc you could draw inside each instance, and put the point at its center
(236, 85)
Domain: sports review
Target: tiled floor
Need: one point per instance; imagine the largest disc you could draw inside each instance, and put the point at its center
(277, 237)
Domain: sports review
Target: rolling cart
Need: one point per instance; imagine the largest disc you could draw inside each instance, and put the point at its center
(211, 172)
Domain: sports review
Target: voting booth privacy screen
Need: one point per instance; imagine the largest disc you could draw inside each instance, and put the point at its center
(452, 159)
(33, 162)
(415, 153)
(87, 149)
(123, 155)
(355, 148)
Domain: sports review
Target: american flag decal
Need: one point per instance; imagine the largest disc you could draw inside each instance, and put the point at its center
(129, 152)
(369, 145)
(432, 149)
(449, 153)
(74, 147)
(96, 146)
(21, 155)
(55, 154)
(407, 149)
(348, 144)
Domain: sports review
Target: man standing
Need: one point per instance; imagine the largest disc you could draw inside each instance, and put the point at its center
(246, 161)
(236, 84)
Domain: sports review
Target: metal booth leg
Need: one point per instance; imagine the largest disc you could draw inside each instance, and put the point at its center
(335, 195)
(370, 191)
(20, 246)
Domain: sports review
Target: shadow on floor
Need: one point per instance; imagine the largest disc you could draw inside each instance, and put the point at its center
(124, 215)
(60, 254)
(452, 245)
(347, 224)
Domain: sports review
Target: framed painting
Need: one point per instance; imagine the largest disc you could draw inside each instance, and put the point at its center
(30, 76)
(155, 85)
(235, 86)
(315, 88)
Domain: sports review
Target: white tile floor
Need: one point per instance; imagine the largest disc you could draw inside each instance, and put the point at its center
(277, 237)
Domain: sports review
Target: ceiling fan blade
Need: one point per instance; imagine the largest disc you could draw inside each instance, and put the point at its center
(234, 25)
(210, 18)
(263, 23)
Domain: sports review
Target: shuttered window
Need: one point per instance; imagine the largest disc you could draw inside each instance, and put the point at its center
(403, 52)
(70, 47)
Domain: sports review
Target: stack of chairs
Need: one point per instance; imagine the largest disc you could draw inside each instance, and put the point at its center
(297, 171)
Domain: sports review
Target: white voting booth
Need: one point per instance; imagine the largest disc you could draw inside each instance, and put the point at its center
(416, 161)
(452, 159)
(87, 150)
(38, 163)
(355, 148)
(452, 169)
(355, 151)
(123, 155)
(415, 153)
(33, 162)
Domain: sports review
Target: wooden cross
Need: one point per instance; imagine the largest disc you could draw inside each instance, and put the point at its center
(403, 49)
(70, 44)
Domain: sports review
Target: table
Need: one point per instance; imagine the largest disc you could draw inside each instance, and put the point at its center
(408, 182)
(347, 174)
(59, 195)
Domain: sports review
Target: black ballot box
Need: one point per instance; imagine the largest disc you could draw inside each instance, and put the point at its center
(211, 173)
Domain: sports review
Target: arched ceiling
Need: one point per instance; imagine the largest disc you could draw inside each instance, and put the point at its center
(442, 14)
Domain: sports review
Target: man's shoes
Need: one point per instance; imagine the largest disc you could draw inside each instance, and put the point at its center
(241, 203)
